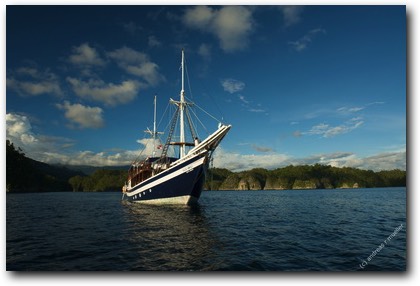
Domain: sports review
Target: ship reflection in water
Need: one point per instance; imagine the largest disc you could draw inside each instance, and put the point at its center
(170, 237)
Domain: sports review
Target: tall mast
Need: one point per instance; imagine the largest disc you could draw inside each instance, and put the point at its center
(154, 128)
(154, 133)
(182, 106)
(154, 121)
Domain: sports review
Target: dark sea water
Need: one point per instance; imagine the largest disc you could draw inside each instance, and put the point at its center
(311, 230)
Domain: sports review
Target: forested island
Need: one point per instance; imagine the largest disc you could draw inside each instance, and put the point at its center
(303, 177)
(27, 175)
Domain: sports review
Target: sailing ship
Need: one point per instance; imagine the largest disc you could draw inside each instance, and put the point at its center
(163, 179)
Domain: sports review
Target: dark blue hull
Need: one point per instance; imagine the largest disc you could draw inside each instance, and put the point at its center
(180, 184)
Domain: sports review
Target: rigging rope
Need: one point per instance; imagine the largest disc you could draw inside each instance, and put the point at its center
(207, 113)
(200, 121)
(188, 77)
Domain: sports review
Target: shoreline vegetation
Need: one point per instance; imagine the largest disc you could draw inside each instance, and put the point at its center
(27, 175)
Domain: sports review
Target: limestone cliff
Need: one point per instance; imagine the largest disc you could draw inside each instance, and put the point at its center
(304, 177)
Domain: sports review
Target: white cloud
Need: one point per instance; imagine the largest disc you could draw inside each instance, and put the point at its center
(232, 85)
(138, 64)
(243, 99)
(151, 146)
(328, 131)
(248, 105)
(89, 158)
(32, 72)
(19, 131)
(109, 94)
(324, 159)
(348, 110)
(32, 82)
(34, 88)
(104, 158)
(84, 55)
(55, 150)
(83, 116)
(232, 25)
(239, 162)
(303, 42)
(291, 14)
(199, 17)
(377, 162)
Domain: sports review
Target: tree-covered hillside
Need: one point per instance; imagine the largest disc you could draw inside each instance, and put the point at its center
(303, 177)
(101, 180)
(26, 175)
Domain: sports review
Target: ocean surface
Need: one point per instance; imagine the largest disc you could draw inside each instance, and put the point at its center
(308, 230)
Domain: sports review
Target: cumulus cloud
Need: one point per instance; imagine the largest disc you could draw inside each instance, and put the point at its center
(109, 94)
(104, 158)
(56, 150)
(82, 116)
(85, 55)
(29, 81)
(232, 85)
(34, 88)
(138, 64)
(324, 159)
(302, 43)
(238, 162)
(199, 17)
(19, 131)
(89, 158)
(232, 25)
(377, 162)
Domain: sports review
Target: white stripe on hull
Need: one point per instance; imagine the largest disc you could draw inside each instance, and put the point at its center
(169, 176)
(182, 200)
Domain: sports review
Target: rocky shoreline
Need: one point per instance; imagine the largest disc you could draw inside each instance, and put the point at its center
(302, 178)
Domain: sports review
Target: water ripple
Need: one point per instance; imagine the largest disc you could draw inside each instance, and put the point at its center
(314, 230)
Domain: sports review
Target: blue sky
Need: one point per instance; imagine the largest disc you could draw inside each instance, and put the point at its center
(299, 84)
